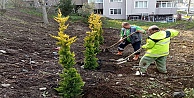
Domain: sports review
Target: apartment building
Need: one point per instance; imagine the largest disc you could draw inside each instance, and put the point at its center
(148, 10)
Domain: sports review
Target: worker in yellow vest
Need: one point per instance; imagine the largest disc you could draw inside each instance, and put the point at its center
(157, 49)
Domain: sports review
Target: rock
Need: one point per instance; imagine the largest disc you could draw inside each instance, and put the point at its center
(55, 53)
(120, 75)
(5, 85)
(117, 82)
(3, 51)
(178, 95)
(152, 79)
(24, 70)
(22, 60)
(43, 88)
(137, 73)
(32, 62)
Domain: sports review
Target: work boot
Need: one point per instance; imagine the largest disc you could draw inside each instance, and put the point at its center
(119, 53)
(136, 57)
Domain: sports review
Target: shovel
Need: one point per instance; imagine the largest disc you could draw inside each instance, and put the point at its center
(106, 49)
(123, 60)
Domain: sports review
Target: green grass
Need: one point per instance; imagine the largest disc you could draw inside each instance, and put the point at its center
(144, 25)
(75, 18)
(31, 11)
(110, 23)
(36, 12)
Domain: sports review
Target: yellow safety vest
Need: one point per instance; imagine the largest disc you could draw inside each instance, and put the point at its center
(157, 44)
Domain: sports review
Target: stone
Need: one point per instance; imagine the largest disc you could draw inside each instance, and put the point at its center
(178, 95)
(3, 51)
(43, 88)
(120, 75)
(5, 85)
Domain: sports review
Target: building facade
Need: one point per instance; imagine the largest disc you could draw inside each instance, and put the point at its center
(149, 10)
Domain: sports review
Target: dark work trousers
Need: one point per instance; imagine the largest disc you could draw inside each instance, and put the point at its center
(136, 46)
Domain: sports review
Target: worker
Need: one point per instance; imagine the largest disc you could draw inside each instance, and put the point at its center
(134, 39)
(157, 49)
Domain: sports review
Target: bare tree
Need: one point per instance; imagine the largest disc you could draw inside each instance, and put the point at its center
(2, 9)
(3, 4)
(188, 10)
(44, 12)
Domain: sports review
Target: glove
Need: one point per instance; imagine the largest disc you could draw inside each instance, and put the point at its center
(144, 46)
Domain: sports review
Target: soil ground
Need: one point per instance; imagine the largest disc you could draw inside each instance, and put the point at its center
(28, 62)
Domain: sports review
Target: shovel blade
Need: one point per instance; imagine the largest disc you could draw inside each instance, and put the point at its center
(118, 60)
(122, 62)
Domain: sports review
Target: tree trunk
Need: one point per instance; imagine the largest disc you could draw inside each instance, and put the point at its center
(188, 10)
(3, 4)
(44, 13)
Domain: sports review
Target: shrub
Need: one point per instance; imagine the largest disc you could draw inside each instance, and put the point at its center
(95, 24)
(86, 9)
(90, 60)
(66, 7)
(70, 85)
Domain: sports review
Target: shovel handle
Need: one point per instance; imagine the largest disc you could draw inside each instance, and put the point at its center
(133, 53)
(119, 41)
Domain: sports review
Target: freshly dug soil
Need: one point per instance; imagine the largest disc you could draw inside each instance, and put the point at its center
(28, 62)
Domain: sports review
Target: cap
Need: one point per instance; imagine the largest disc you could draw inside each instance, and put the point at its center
(153, 27)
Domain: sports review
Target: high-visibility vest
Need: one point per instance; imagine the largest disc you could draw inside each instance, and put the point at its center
(136, 37)
(157, 44)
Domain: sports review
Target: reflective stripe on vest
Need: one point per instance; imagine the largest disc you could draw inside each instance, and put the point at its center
(157, 55)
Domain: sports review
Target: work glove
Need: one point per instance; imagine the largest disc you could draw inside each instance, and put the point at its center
(144, 46)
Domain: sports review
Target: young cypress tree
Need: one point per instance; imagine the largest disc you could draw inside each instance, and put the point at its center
(70, 85)
(90, 60)
(95, 24)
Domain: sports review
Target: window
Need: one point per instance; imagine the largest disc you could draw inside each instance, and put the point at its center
(115, 0)
(169, 4)
(141, 4)
(98, 1)
(164, 4)
(95, 1)
(115, 11)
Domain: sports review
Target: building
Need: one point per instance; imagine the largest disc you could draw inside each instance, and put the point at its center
(148, 10)
(97, 3)
(36, 3)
